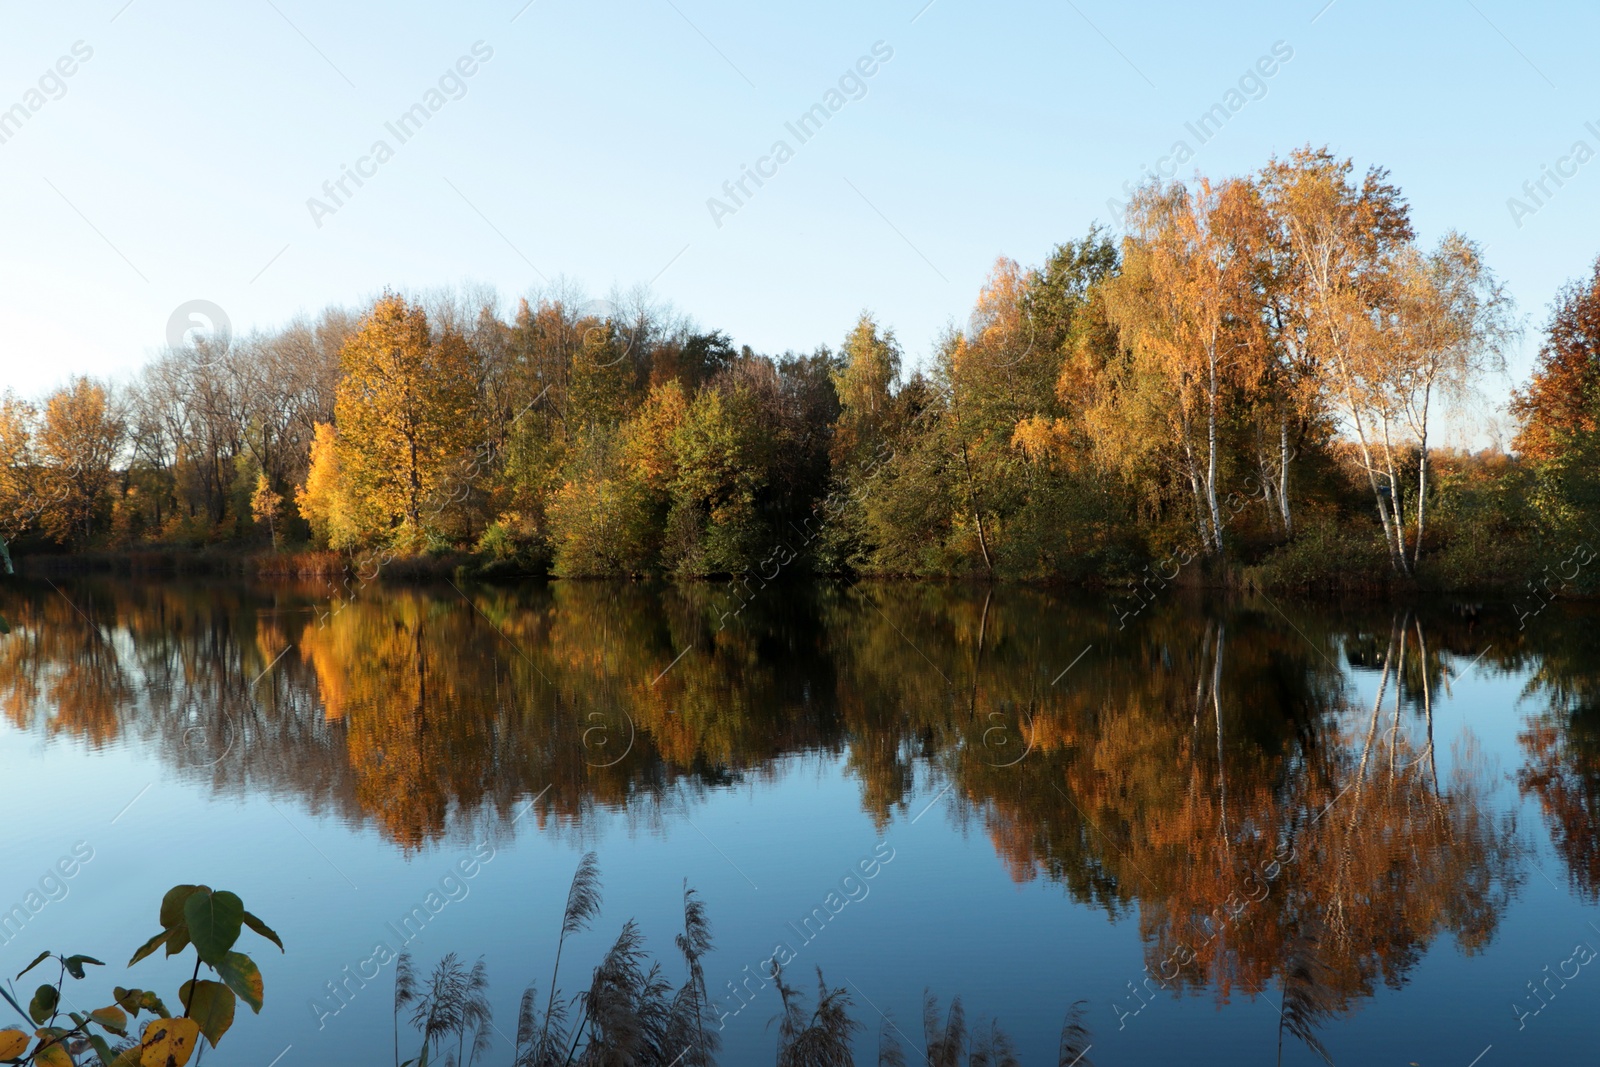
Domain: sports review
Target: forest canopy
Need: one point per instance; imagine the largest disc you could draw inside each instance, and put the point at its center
(1249, 383)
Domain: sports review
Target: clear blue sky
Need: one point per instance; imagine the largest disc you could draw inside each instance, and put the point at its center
(178, 161)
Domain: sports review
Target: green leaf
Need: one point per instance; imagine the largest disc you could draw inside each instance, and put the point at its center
(40, 958)
(133, 1001)
(211, 1004)
(44, 1004)
(263, 929)
(103, 1050)
(150, 946)
(239, 971)
(214, 921)
(172, 904)
(74, 964)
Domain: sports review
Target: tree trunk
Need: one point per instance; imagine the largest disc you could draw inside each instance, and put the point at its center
(413, 501)
(1398, 548)
(1422, 481)
(1193, 471)
(1399, 691)
(1269, 484)
(977, 659)
(1216, 707)
(977, 513)
(1347, 380)
(1427, 708)
(1211, 457)
(1283, 477)
(1377, 708)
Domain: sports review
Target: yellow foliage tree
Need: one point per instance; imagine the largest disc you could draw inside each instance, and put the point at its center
(1176, 305)
(264, 506)
(81, 438)
(18, 503)
(322, 500)
(407, 413)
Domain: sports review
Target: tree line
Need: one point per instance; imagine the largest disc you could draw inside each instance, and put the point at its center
(1253, 376)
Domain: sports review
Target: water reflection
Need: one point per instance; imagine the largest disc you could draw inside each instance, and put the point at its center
(1263, 790)
(1561, 749)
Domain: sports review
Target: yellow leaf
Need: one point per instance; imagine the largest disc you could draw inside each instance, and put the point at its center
(112, 1018)
(13, 1043)
(52, 1056)
(168, 1042)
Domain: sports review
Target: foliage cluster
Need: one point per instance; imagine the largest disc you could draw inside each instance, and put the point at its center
(1254, 374)
(210, 921)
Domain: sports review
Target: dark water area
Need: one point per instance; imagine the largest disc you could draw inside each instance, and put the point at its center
(1230, 831)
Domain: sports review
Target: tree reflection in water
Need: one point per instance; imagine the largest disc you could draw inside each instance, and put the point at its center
(1215, 766)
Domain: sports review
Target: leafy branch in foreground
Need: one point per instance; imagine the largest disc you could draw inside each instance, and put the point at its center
(191, 915)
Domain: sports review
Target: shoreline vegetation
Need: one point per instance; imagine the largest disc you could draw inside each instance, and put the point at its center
(321, 565)
(1246, 390)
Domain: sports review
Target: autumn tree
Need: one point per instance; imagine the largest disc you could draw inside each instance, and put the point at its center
(864, 380)
(407, 417)
(953, 477)
(569, 366)
(1343, 238)
(609, 514)
(997, 373)
(196, 410)
(912, 508)
(1456, 323)
(1177, 304)
(1067, 505)
(1293, 408)
(19, 501)
(79, 441)
(265, 506)
(721, 453)
(1561, 402)
(321, 499)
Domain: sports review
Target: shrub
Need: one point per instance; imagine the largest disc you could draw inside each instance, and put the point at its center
(1325, 555)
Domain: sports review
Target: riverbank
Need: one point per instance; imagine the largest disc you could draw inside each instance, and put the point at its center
(1327, 562)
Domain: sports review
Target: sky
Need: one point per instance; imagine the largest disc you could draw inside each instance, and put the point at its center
(184, 157)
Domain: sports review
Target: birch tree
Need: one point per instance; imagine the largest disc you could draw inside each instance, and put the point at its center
(1177, 306)
(1344, 238)
(1456, 321)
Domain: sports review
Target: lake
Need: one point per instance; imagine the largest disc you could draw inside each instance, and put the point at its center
(1228, 829)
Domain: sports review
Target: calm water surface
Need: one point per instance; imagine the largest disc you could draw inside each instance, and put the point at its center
(1232, 831)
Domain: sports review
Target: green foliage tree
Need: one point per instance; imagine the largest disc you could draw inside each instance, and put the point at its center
(722, 453)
